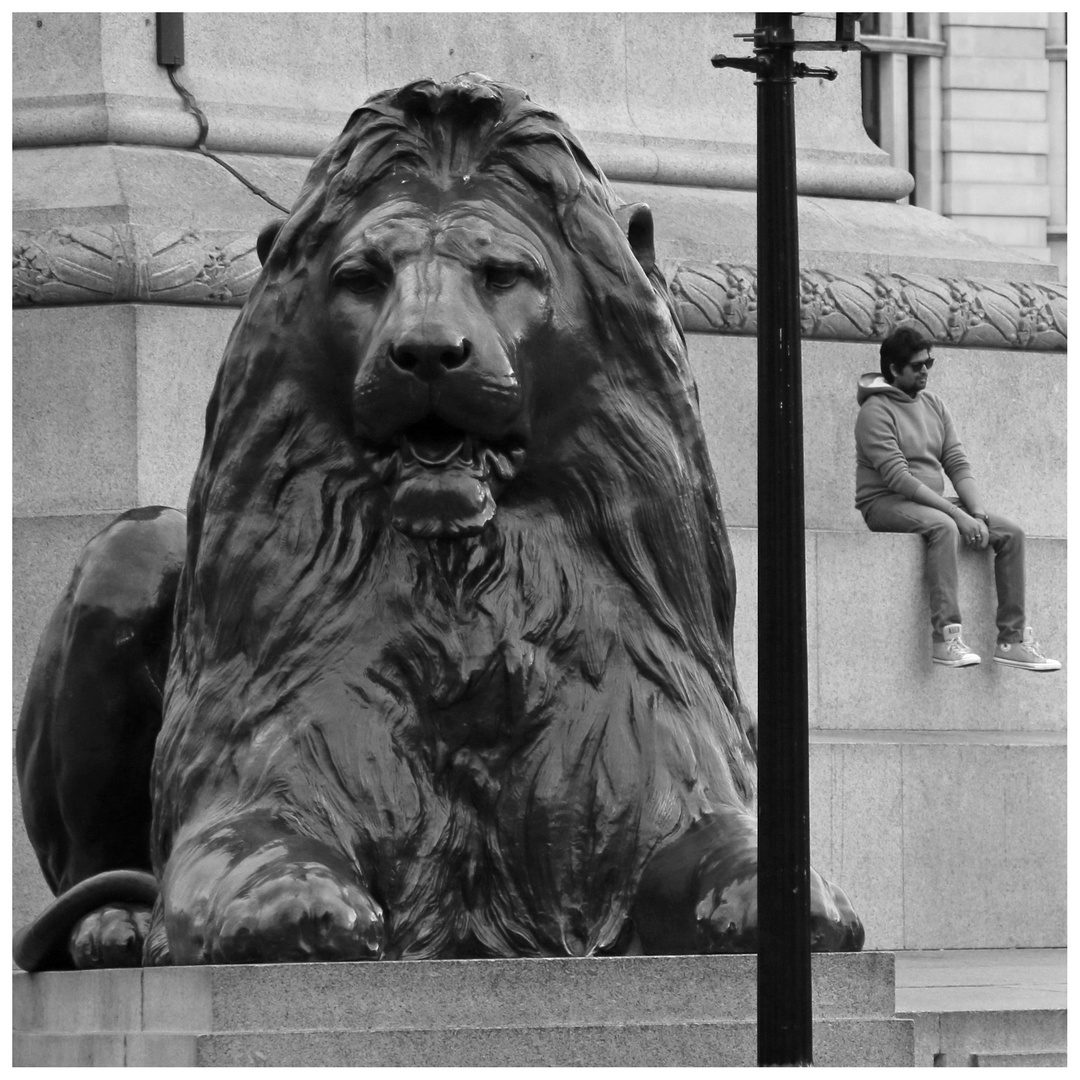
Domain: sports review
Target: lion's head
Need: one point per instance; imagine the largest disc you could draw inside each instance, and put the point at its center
(460, 336)
(463, 263)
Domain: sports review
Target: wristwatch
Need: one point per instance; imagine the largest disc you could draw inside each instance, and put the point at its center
(984, 518)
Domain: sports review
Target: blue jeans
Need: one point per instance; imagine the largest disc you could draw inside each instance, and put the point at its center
(894, 513)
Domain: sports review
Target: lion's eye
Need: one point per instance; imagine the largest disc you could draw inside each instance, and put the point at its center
(501, 278)
(360, 280)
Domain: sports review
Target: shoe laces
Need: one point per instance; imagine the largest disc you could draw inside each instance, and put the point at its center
(957, 647)
(1034, 648)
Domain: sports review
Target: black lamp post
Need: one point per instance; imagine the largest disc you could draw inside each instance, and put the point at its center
(784, 1005)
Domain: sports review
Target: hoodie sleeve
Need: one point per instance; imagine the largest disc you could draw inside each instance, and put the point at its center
(953, 458)
(877, 444)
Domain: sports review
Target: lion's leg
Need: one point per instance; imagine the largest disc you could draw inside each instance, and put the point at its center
(250, 889)
(698, 894)
(576, 811)
(86, 735)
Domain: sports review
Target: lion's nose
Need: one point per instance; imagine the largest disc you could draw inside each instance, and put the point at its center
(429, 357)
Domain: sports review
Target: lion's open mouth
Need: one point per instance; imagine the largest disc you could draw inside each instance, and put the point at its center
(432, 443)
(445, 480)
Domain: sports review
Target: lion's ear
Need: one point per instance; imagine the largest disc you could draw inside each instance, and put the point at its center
(637, 224)
(267, 236)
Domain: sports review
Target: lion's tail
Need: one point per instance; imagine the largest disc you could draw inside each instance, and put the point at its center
(40, 945)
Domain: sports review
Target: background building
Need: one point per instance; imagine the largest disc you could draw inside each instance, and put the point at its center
(973, 105)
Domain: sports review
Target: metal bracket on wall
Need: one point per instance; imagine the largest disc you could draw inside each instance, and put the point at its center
(170, 38)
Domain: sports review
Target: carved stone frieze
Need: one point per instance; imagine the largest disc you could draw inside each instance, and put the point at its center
(722, 298)
(124, 263)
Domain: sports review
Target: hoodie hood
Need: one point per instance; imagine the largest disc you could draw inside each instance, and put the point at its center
(871, 383)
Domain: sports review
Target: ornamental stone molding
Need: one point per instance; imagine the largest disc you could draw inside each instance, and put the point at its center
(130, 263)
(123, 263)
(721, 298)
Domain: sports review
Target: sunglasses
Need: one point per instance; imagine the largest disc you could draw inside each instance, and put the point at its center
(920, 365)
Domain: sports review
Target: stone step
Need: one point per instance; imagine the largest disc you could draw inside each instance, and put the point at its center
(654, 1011)
(434, 994)
(1014, 1037)
(994, 1007)
(1047, 1060)
(732, 1044)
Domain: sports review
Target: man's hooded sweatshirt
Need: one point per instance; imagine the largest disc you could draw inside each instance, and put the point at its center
(903, 442)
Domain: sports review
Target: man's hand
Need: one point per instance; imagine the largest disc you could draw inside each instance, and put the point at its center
(973, 531)
(971, 500)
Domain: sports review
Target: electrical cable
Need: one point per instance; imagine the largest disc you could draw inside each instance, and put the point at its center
(204, 129)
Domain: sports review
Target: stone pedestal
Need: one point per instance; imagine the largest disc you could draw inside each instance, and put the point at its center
(692, 1011)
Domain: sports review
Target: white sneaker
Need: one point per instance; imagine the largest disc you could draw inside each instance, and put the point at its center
(1025, 654)
(952, 652)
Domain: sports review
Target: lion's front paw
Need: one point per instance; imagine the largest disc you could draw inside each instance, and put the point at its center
(297, 911)
(834, 926)
(727, 918)
(111, 936)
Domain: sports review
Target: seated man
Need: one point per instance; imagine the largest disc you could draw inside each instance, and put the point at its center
(904, 438)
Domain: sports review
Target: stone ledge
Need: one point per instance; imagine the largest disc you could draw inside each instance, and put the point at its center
(81, 119)
(836, 737)
(868, 637)
(437, 994)
(679, 1010)
(1047, 1059)
(1001, 1006)
(1014, 1037)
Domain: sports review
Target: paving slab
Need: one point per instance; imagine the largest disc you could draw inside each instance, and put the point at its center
(965, 980)
(985, 1007)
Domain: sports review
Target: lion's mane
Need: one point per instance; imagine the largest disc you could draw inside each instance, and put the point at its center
(288, 531)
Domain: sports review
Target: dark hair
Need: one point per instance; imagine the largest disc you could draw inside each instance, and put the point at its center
(900, 346)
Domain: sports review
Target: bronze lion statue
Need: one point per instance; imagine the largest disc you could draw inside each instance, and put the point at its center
(450, 670)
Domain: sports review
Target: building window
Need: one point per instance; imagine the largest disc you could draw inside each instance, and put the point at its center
(871, 87)
(901, 95)
(973, 106)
